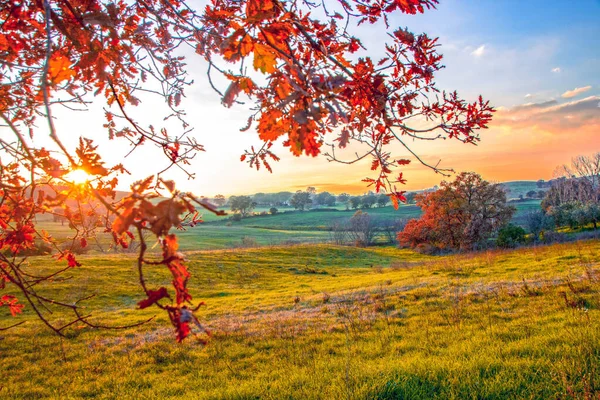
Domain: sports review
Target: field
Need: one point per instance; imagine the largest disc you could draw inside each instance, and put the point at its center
(290, 227)
(520, 188)
(320, 321)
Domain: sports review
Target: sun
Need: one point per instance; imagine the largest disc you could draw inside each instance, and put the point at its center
(78, 176)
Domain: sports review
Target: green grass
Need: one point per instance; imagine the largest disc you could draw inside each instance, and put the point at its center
(283, 228)
(318, 220)
(319, 321)
(520, 188)
(313, 220)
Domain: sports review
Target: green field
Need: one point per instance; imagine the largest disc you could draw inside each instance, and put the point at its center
(316, 219)
(520, 188)
(322, 220)
(326, 322)
(291, 227)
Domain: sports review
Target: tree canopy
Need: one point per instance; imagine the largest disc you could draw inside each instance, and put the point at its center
(300, 63)
(301, 200)
(462, 214)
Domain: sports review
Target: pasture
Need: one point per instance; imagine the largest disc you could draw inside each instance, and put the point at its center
(320, 321)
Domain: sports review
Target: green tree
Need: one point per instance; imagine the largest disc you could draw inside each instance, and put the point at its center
(383, 200)
(368, 200)
(241, 204)
(325, 199)
(355, 202)
(301, 200)
(219, 200)
(510, 236)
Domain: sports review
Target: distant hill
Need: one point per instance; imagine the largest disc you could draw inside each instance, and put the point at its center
(515, 189)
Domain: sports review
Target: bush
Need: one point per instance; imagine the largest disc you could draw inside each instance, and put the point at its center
(426, 248)
(236, 217)
(40, 249)
(510, 236)
(538, 222)
(249, 241)
(361, 229)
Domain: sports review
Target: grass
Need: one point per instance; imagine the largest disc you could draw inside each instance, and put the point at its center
(520, 188)
(289, 227)
(314, 220)
(320, 321)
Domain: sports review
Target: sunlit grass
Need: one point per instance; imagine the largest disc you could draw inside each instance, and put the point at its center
(329, 322)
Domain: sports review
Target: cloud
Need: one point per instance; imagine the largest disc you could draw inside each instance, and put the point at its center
(575, 92)
(478, 52)
(528, 95)
(556, 70)
(551, 114)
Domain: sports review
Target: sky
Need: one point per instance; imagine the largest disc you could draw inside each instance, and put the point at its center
(538, 62)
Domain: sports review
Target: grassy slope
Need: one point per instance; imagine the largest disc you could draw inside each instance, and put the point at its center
(396, 325)
(518, 188)
(319, 220)
(290, 227)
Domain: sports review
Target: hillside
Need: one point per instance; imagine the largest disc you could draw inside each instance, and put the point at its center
(325, 322)
(322, 219)
(520, 188)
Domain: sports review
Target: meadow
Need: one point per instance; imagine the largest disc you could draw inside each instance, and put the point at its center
(322, 321)
(285, 228)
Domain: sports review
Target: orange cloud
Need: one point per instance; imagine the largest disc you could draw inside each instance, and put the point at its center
(575, 92)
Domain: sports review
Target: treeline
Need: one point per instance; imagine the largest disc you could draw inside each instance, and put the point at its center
(303, 200)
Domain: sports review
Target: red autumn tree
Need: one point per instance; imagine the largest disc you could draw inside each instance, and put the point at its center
(462, 214)
(314, 94)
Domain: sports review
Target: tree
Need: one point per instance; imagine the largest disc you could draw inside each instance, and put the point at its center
(273, 210)
(390, 228)
(241, 204)
(568, 190)
(460, 215)
(355, 202)
(368, 200)
(382, 200)
(343, 198)
(219, 200)
(361, 229)
(325, 199)
(301, 200)
(532, 194)
(583, 167)
(302, 74)
(574, 197)
(410, 197)
(260, 198)
(510, 236)
(537, 222)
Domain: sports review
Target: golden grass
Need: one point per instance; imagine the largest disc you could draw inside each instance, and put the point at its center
(323, 321)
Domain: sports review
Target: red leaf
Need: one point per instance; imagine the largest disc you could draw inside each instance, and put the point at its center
(153, 297)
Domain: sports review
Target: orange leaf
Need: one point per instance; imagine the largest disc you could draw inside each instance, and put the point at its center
(264, 59)
(59, 69)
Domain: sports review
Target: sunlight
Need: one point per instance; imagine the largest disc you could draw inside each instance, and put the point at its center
(78, 176)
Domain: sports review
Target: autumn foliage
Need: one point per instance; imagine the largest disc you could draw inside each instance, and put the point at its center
(460, 215)
(312, 84)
